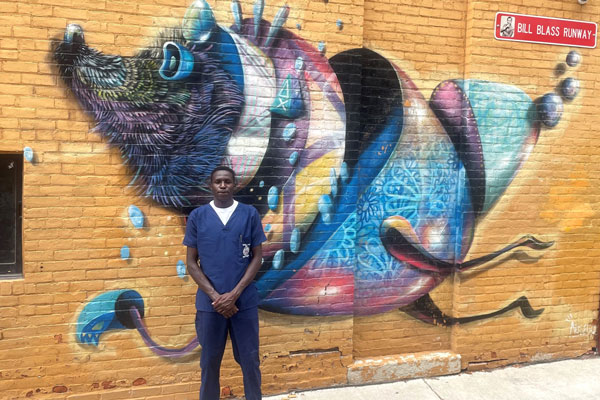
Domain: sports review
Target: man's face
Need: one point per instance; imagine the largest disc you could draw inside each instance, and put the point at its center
(221, 186)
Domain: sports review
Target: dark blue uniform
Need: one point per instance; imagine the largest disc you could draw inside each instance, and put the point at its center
(225, 252)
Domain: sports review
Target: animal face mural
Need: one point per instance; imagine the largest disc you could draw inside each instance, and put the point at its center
(369, 194)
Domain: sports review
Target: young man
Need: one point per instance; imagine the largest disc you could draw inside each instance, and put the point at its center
(224, 253)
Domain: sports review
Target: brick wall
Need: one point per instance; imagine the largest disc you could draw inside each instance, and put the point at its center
(337, 309)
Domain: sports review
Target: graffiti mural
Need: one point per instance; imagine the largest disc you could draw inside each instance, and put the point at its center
(369, 193)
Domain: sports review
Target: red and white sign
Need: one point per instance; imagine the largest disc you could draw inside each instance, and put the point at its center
(534, 29)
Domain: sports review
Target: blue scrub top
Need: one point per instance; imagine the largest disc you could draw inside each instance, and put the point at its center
(225, 250)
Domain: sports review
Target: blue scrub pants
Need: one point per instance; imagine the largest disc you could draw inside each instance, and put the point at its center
(212, 329)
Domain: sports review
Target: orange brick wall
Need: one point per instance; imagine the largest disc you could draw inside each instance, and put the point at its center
(76, 199)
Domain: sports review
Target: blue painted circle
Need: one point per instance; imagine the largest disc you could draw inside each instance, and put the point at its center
(569, 88)
(289, 132)
(181, 271)
(125, 252)
(550, 109)
(136, 216)
(344, 173)
(573, 58)
(295, 241)
(273, 197)
(278, 259)
(326, 208)
(28, 154)
(333, 182)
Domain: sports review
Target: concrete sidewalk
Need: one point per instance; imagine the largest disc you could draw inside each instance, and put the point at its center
(577, 379)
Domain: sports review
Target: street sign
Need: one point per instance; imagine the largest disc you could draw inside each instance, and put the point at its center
(555, 31)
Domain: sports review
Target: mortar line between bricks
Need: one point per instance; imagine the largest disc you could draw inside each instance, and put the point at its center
(432, 389)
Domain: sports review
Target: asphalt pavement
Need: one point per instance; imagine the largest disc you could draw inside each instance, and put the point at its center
(576, 379)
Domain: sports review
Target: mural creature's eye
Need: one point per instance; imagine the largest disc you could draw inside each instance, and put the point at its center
(178, 62)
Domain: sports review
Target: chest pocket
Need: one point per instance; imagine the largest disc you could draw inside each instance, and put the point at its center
(244, 245)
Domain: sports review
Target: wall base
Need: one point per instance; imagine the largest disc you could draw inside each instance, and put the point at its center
(403, 366)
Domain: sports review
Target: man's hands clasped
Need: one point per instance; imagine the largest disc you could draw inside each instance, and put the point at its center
(224, 304)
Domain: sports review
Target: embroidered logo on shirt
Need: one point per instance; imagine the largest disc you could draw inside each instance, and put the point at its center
(246, 250)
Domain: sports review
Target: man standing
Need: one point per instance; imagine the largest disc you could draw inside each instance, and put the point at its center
(224, 253)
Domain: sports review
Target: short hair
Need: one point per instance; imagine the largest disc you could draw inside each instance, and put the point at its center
(222, 168)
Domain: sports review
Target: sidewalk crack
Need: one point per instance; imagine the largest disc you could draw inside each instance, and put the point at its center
(432, 389)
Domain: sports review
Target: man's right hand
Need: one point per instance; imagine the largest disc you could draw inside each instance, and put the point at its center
(230, 312)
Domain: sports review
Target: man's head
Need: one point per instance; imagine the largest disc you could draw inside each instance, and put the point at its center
(222, 185)
(222, 168)
(509, 20)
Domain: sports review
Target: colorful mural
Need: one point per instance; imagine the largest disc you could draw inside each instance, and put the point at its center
(369, 193)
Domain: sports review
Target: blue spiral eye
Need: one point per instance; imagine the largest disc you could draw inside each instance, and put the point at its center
(178, 62)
